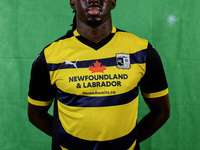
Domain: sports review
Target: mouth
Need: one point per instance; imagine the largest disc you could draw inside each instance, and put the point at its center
(93, 10)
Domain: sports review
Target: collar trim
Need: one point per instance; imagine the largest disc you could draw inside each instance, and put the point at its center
(114, 30)
(93, 45)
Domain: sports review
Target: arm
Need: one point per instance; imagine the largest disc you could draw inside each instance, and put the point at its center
(158, 115)
(39, 117)
(155, 92)
(40, 96)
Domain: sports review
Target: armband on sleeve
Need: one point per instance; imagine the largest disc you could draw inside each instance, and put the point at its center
(41, 92)
(154, 83)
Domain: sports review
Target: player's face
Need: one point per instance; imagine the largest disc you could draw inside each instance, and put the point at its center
(93, 12)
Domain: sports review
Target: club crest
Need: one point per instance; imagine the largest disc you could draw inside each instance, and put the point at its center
(123, 61)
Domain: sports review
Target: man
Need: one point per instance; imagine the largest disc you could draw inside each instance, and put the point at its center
(93, 73)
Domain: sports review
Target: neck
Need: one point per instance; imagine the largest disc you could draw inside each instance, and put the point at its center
(94, 34)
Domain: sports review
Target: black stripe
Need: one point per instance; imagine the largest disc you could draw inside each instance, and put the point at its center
(73, 143)
(138, 57)
(86, 101)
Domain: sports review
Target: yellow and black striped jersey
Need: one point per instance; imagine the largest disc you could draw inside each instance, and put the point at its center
(95, 88)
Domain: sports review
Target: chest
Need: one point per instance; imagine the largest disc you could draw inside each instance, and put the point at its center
(108, 71)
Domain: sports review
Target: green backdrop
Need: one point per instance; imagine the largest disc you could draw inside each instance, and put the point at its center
(172, 26)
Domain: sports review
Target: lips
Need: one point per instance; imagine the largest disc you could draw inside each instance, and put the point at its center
(93, 10)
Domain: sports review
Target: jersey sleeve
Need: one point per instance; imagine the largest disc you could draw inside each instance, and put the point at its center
(154, 83)
(41, 92)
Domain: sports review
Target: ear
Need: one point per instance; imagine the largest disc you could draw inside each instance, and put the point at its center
(113, 4)
(72, 4)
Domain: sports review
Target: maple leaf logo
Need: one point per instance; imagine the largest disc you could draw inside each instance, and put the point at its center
(97, 67)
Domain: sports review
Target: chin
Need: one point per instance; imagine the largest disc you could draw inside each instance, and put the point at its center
(94, 24)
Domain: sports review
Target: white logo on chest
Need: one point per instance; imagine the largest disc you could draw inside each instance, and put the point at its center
(71, 63)
(123, 61)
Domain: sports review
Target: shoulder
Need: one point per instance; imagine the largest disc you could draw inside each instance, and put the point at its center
(58, 42)
(133, 39)
(131, 36)
(57, 47)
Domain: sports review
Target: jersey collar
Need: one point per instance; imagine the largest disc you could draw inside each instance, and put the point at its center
(93, 45)
(114, 30)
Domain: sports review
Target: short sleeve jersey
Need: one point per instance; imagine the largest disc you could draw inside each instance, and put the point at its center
(95, 88)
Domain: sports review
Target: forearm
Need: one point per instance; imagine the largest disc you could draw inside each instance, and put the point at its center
(150, 124)
(44, 123)
(40, 118)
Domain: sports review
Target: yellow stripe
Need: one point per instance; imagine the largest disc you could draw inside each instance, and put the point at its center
(132, 74)
(113, 30)
(65, 48)
(156, 94)
(39, 103)
(63, 148)
(133, 146)
(99, 123)
(76, 33)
